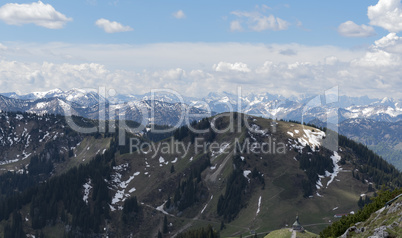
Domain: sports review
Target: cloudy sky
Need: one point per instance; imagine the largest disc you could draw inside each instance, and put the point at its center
(195, 47)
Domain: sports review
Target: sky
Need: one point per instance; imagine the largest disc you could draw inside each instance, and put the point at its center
(196, 47)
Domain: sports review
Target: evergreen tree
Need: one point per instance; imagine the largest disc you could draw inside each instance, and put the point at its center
(230, 204)
(15, 230)
(337, 228)
(165, 225)
(207, 232)
(360, 203)
(168, 203)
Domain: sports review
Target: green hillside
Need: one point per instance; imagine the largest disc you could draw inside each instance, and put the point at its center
(387, 218)
(287, 233)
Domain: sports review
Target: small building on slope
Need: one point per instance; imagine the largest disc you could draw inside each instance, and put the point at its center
(297, 226)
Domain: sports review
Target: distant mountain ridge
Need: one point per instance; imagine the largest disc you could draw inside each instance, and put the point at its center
(266, 104)
(91, 105)
(383, 137)
(361, 118)
(79, 96)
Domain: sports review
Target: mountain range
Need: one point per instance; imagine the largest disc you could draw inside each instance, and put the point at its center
(268, 105)
(361, 118)
(91, 105)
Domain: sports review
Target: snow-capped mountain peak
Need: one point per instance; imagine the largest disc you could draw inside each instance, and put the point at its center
(47, 94)
(263, 104)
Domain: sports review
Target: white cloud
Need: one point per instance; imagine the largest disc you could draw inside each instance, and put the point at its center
(173, 55)
(264, 7)
(236, 26)
(351, 29)
(390, 43)
(270, 23)
(179, 14)
(331, 60)
(288, 52)
(112, 26)
(37, 13)
(386, 14)
(227, 67)
(3, 47)
(259, 22)
(386, 51)
(217, 67)
(377, 59)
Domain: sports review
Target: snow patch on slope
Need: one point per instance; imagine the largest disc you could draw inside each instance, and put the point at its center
(87, 188)
(335, 159)
(259, 205)
(119, 185)
(246, 173)
(314, 138)
(160, 208)
(309, 138)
